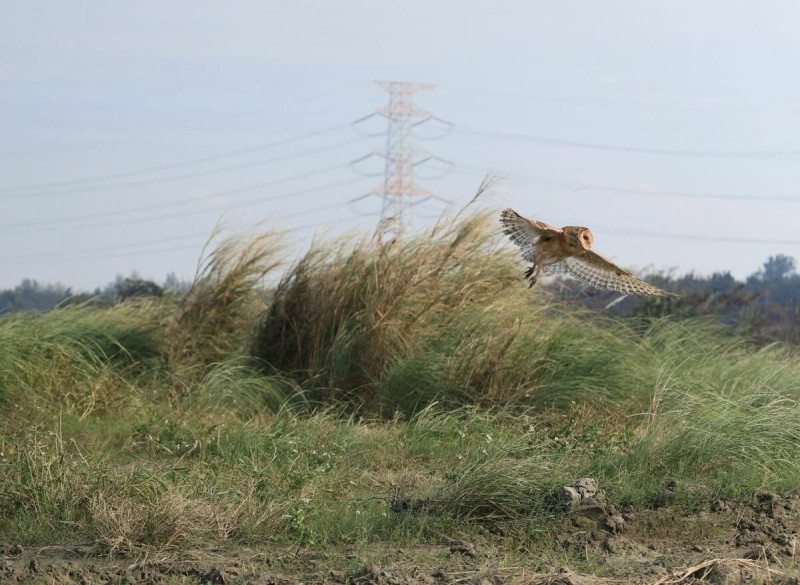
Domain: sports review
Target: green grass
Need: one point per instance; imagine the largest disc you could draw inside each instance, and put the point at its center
(385, 390)
(79, 357)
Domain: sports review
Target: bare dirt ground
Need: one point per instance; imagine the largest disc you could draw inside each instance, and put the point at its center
(754, 542)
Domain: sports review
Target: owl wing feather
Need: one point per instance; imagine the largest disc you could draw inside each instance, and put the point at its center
(600, 272)
(525, 233)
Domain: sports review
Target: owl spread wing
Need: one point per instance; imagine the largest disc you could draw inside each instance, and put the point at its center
(603, 273)
(525, 233)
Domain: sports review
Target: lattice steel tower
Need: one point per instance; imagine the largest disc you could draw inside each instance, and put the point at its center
(399, 189)
(398, 176)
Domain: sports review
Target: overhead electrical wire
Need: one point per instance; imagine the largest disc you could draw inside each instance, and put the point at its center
(190, 162)
(95, 250)
(184, 176)
(178, 203)
(58, 188)
(86, 254)
(693, 237)
(583, 185)
(558, 142)
(682, 103)
(183, 214)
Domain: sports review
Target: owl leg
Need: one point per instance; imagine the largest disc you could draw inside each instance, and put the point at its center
(533, 274)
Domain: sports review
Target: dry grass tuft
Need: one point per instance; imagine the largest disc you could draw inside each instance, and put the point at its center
(344, 313)
(209, 322)
(125, 526)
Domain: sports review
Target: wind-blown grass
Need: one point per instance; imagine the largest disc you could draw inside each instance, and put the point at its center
(416, 369)
(326, 480)
(77, 356)
(211, 320)
(714, 443)
(124, 334)
(343, 314)
(443, 316)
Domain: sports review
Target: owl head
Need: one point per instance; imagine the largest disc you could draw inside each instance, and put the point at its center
(579, 237)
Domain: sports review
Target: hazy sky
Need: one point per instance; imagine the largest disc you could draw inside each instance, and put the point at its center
(641, 120)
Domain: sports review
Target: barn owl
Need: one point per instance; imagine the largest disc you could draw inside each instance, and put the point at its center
(568, 251)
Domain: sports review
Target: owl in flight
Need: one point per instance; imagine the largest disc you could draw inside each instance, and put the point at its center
(568, 251)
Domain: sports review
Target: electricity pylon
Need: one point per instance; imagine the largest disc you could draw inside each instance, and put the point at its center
(399, 188)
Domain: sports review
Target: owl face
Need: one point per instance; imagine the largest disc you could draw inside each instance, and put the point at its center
(579, 237)
(585, 238)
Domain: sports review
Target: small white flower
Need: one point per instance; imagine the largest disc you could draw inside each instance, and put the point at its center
(488, 438)
(459, 456)
(305, 500)
(358, 512)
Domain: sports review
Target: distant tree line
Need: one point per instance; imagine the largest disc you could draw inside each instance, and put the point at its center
(765, 305)
(31, 295)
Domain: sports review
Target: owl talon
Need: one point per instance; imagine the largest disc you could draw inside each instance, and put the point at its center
(533, 281)
(529, 272)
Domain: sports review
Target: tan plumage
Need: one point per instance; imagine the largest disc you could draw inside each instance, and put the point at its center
(568, 251)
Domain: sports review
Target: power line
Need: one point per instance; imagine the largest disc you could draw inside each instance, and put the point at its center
(182, 214)
(82, 254)
(137, 253)
(186, 175)
(93, 250)
(766, 154)
(185, 163)
(91, 253)
(682, 103)
(190, 200)
(247, 119)
(581, 185)
(115, 247)
(693, 237)
(650, 234)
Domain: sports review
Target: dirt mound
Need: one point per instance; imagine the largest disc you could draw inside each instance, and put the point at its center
(728, 543)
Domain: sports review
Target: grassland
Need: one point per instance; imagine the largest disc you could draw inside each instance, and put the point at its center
(377, 392)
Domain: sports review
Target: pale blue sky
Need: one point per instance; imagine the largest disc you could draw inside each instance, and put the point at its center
(706, 95)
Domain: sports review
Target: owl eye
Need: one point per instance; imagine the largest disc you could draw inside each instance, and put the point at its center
(585, 237)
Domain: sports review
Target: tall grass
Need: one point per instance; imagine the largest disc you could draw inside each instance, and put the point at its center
(395, 323)
(713, 442)
(417, 369)
(78, 357)
(344, 314)
(211, 319)
(124, 334)
(327, 480)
